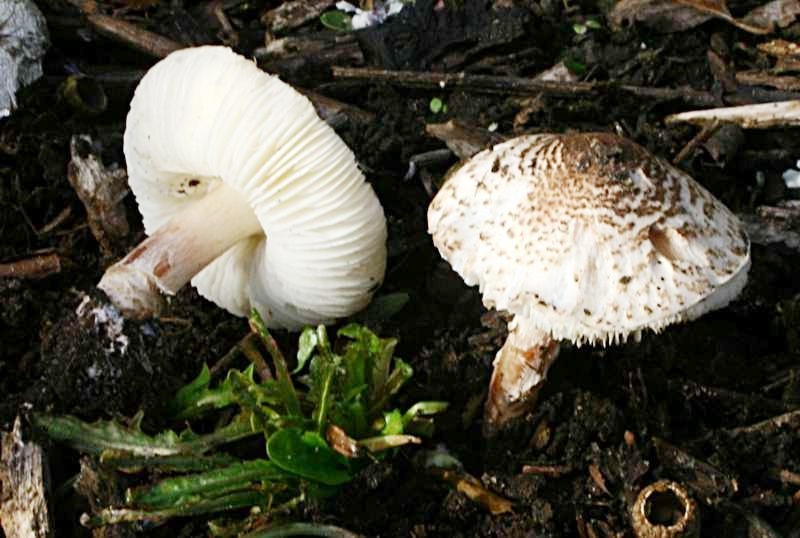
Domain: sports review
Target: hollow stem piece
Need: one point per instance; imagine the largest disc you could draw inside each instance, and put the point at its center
(520, 369)
(177, 251)
(664, 509)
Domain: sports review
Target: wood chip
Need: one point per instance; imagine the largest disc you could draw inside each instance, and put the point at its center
(101, 189)
(24, 481)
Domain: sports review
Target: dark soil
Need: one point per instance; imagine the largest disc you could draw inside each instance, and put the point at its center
(677, 397)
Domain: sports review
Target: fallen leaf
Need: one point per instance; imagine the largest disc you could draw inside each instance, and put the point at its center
(678, 15)
(666, 17)
(779, 13)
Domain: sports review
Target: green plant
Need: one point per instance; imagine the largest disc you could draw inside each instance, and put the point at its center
(436, 106)
(316, 439)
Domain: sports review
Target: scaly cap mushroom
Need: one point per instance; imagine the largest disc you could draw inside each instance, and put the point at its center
(244, 190)
(588, 238)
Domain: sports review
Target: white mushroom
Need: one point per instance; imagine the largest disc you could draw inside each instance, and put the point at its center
(245, 191)
(583, 237)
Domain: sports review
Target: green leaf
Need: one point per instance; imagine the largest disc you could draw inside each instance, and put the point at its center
(307, 455)
(424, 409)
(191, 488)
(237, 388)
(367, 358)
(381, 363)
(402, 372)
(322, 376)
(338, 21)
(593, 24)
(188, 394)
(392, 423)
(385, 442)
(109, 435)
(436, 105)
(290, 399)
(306, 345)
(192, 507)
(574, 66)
(129, 463)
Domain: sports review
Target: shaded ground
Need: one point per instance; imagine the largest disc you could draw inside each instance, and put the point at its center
(691, 386)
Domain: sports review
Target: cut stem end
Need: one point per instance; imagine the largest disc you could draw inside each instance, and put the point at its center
(177, 251)
(520, 369)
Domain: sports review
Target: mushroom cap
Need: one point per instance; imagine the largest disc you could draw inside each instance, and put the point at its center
(206, 115)
(589, 236)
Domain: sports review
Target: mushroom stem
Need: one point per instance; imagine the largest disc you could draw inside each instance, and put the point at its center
(177, 251)
(520, 369)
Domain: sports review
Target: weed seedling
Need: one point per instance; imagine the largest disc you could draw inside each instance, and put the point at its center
(317, 437)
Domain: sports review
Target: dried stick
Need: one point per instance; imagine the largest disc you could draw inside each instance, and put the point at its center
(705, 133)
(515, 85)
(761, 116)
(553, 471)
(130, 34)
(500, 84)
(34, 267)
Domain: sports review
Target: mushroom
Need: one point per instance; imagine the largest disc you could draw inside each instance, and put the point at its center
(586, 238)
(247, 193)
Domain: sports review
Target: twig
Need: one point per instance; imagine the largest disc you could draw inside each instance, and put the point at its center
(793, 373)
(129, 34)
(553, 471)
(227, 34)
(428, 158)
(472, 488)
(687, 95)
(38, 266)
(785, 476)
(771, 425)
(516, 85)
(762, 116)
(490, 83)
(56, 222)
(703, 478)
(705, 133)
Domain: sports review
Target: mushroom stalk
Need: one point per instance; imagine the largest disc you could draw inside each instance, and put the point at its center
(178, 250)
(520, 369)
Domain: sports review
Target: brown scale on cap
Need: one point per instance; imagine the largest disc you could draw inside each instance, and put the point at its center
(554, 226)
(583, 237)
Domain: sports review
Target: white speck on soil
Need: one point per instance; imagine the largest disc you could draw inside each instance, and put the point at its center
(107, 321)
